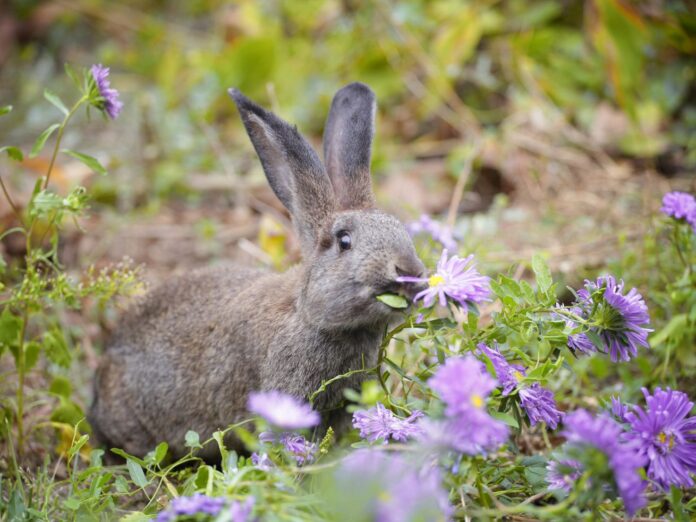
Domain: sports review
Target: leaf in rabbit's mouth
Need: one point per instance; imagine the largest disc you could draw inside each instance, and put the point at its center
(393, 300)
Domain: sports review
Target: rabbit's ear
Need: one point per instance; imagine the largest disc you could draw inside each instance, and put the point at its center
(292, 167)
(348, 145)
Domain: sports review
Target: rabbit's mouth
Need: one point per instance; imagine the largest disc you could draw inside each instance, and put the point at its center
(405, 290)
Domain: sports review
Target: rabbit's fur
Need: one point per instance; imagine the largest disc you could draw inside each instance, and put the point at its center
(187, 356)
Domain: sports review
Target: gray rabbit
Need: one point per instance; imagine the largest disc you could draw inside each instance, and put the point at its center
(187, 356)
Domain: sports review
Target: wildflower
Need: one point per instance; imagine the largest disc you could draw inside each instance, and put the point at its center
(620, 318)
(263, 461)
(666, 436)
(562, 474)
(619, 409)
(540, 405)
(455, 278)
(241, 511)
(381, 423)
(464, 385)
(537, 401)
(680, 206)
(578, 342)
(386, 487)
(440, 233)
(582, 430)
(189, 506)
(282, 410)
(296, 445)
(108, 98)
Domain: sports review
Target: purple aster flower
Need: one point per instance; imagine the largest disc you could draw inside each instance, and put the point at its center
(620, 318)
(386, 487)
(241, 511)
(380, 423)
(680, 206)
(537, 401)
(263, 461)
(109, 101)
(464, 385)
(456, 278)
(604, 434)
(540, 405)
(619, 409)
(190, 506)
(666, 436)
(300, 448)
(440, 233)
(282, 410)
(562, 474)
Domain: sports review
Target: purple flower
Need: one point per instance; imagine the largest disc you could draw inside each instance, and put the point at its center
(576, 342)
(192, 505)
(620, 319)
(300, 448)
(540, 405)
(604, 434)
(380, 423)
(263, 461)
(537, 401)
(109, 101)
(562, 474)
(681, 206)
(386, 487)
(282, 410)
(464, 385)
(619, 409)
(241, 511)
(440, 233)
(455, 278)
(666, 436)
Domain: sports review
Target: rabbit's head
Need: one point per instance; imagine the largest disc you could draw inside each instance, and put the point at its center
(352, 251)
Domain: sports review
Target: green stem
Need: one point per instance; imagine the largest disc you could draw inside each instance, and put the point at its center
(59, 138)
(21, 364)
(11, 202)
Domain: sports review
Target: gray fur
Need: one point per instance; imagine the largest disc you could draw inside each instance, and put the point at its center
(187, 356)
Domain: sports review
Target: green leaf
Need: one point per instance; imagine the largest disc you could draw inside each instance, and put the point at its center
(136, 473)
(77, 446)
(90, 161)
(192, 440)
(56, 101)
(68, 413)
(10, 326)
(31, 354)
(676, 323)
(506, 418)
(676, 500)
(161, 452)
(542, 273)
(13, 152)
(127, 456)
(5, 109)
(57, 348)
(393, 300)
(72, 503)
(218, 436)
(61, 386)
(41, 140)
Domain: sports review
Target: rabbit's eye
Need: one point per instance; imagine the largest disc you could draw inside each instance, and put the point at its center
(344, 240)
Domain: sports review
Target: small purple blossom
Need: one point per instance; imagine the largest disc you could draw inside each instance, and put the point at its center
(296, 445)
(620, 319)
(241, 511)
(456, 278)
(190, 506)
(440, 233)
(605, 435)
(464, 385)
(282, 410)
(680, 206)
(666, 436)
(109, 101)
(562, 474)
(386, 487)
(540, 405)
(380, 423)
(536, 400)
(619, 409)
(262, 461)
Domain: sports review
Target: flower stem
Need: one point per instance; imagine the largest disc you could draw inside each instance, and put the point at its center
(21, 366)
(59, 138)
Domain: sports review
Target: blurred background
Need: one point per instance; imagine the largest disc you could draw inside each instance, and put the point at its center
(527, 126)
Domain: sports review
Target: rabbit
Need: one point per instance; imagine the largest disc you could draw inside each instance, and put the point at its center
(189, 353)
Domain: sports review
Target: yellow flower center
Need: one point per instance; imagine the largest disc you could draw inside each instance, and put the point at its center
(477, 400)
(518, 376)
(384, 496)
(662, 437)
(435, 280)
